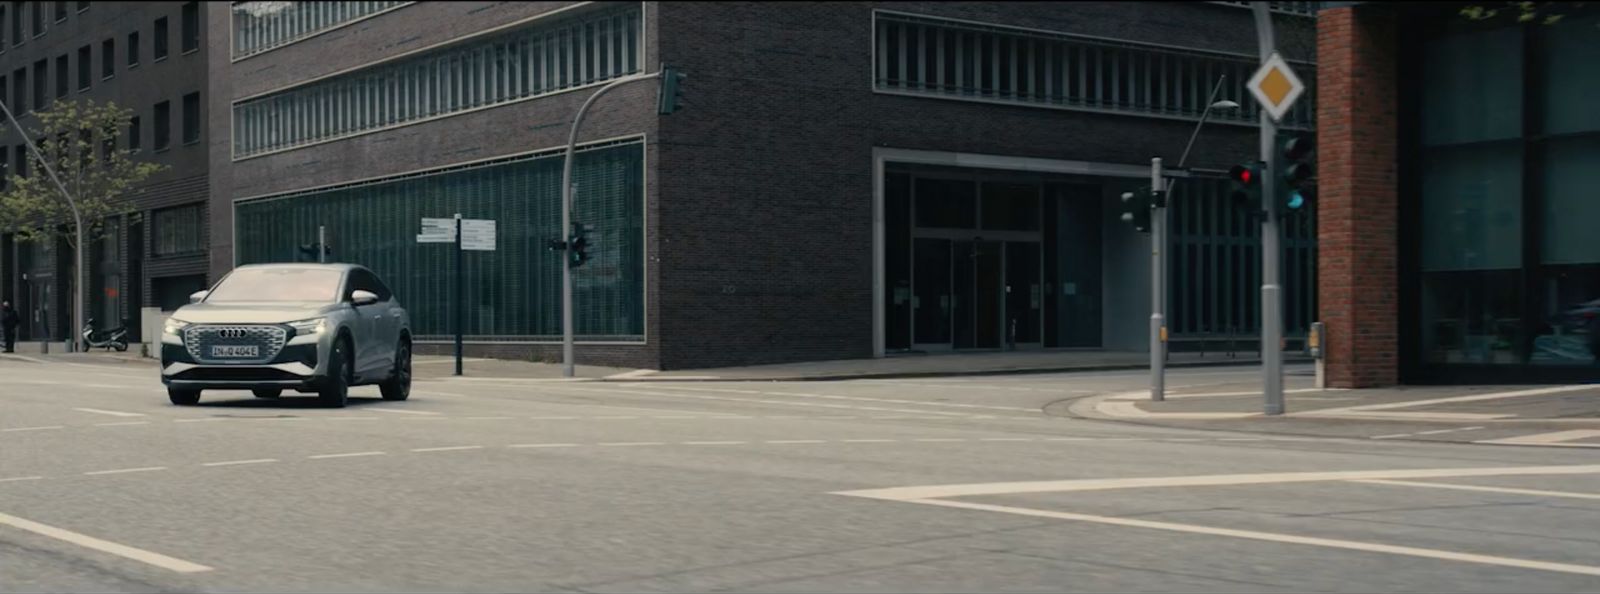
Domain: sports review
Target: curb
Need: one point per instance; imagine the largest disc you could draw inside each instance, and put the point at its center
(927, 374)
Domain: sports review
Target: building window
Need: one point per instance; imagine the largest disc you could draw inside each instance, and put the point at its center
(108, 58)
(41, 84)
(5, 165)
(61, 11)
(260, 26)
(19, 99)
(16, 23)
(517, 297)
(133, 49)
(5, 97)
(133, 134)
(37, 11)
(178, 230)
(83, 6)
(538, 60)
(191, 118)
(85, 68)
(191, 27)
(160, 33)
(61, 76)
(4, 14)
(938, 58)
(163, 125)
(21, 154)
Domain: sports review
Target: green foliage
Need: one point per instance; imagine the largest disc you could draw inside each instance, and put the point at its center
(81, 142)
(1543, 13)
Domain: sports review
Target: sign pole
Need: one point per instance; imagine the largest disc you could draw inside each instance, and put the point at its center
(460, 303)
(1271, 303)
(1158, 319)
(322, 244)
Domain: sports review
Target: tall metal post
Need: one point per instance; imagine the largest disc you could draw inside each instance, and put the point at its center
(567, 367)
(77, 225)
(322, 244)
(460, 302)
(1158, 289)
(1271, 297)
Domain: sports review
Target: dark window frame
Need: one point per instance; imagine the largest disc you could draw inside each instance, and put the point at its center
(189, 22)
(190, 133)
(41, 78)
(163, 126)
(159, 40)
(63, 79)
(61, 12)
(133, 50)
(85, 67)
(186, 241)
(134, 138)
(108, 58)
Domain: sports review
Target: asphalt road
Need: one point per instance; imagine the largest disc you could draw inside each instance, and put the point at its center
(874, 485)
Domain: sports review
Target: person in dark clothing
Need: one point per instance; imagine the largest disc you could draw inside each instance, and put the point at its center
(9, 321)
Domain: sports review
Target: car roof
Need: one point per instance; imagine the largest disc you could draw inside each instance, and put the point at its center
(341, 267)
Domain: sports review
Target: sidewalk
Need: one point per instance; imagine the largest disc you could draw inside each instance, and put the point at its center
(1557, 416)
(898, 366)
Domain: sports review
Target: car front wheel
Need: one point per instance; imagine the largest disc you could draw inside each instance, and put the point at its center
(398, 386)
(183, 397)
(341, 371)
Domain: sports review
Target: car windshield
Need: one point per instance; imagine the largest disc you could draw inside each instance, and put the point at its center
(277, 284)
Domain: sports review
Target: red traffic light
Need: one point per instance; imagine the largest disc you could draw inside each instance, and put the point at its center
(1243, 175)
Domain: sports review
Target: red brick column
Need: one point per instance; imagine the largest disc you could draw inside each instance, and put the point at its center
(1357, 282)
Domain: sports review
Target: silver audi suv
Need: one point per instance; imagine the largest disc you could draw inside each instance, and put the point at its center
(316, 328)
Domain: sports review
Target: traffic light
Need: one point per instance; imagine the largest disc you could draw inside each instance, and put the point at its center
(308, 252)
(1246, 193)
(1297, 170)
(578, 251)
(1136, 208)
(670, 97)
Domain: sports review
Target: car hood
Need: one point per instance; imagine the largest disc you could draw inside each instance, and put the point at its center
(252, 313)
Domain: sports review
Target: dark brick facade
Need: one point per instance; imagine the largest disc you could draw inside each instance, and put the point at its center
(1357, 202)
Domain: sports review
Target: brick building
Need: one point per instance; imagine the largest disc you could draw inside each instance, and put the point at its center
(146, 57)
(1456, 217)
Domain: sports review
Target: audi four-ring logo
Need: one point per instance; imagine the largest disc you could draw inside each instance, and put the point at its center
(231, 333)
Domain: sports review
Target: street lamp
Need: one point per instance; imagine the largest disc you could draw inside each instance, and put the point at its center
(1218, 105)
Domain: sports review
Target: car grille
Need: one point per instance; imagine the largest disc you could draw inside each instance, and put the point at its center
(236, 374)
(268, 341)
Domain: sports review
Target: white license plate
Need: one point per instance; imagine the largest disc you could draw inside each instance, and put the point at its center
(238, 352)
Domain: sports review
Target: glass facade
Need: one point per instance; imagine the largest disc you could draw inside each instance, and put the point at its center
(512, 293)
(260, 26)
(546, 57)
(1507, 141)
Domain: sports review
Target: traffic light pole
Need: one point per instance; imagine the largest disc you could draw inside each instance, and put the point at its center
(1158, 290)
(1271, 300)
(568, 369)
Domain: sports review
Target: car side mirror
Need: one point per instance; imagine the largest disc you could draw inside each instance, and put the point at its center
(363, 298)
(198, 296)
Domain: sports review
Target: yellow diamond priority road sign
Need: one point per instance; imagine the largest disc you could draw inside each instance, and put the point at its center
(1276, 87)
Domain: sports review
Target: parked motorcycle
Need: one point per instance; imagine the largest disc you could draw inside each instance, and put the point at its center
(115, 338)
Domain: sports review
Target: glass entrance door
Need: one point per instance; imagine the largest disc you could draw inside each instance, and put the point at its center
(979, 286)
(1024, 293)
(931, 299)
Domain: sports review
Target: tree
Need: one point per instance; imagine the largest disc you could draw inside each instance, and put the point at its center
(80, 142)
(1543, 13)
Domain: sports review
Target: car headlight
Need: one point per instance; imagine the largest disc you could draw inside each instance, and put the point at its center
(309, 327)
(174, 327)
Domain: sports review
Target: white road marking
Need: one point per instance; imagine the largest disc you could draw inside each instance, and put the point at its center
(854, 398)
(1128, 409)
(762, 401)
(940, 439)
(795, 441)
(197, 420)
(1069, 439)
(615, 417)
(543, 445)
(104, 546)
(237, 462)
(352, 418)
(553, 418)
(1456, 399)
(631, 374)
(125, 470)
(1391, 436)
(1554, 438)
(399, 411)
(433, 394)
(675, 417)
(630, 443)
(20, 478)
(114, 413)
(714, 443)
(1279, 538)
(487, 418)
(349, 455)
(1508, 490)
(121, 424)
(25, 358)
(1210, 480)
(448, 448)
(32, 428)
(868, 440)
(1005, 439)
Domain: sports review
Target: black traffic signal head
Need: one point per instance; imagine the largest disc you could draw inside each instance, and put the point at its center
(1246, 192)
(1294, 182)
(308, 252)
(670, 97)
(1136, 209)
(578, 246)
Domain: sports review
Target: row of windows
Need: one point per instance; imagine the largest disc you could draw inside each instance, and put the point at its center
(40, 96)
(189, 15)
(533, 61)
(162, 112)
(942, 58)
(260, 26)
(178, 230)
